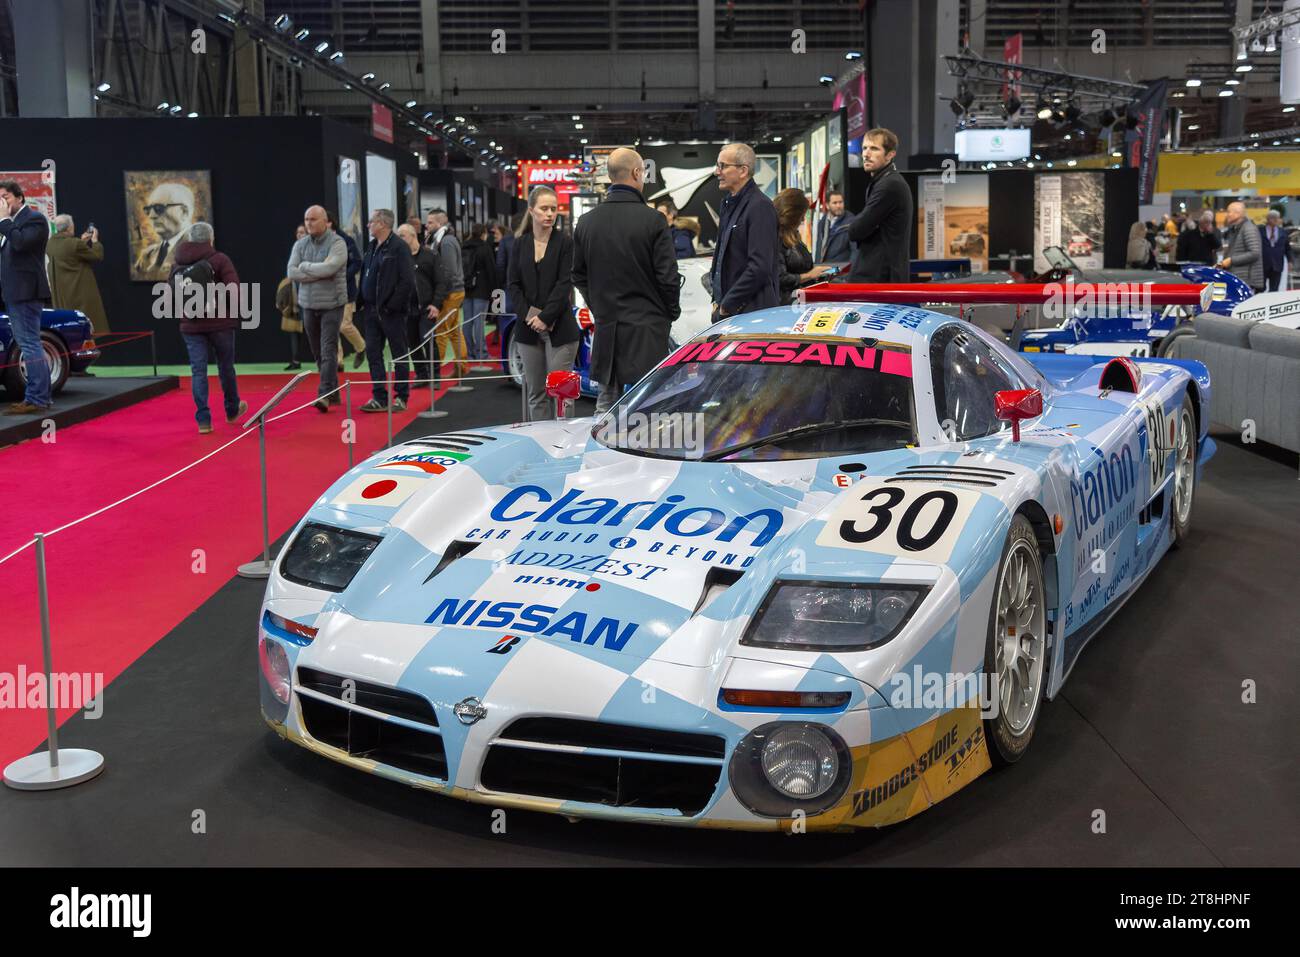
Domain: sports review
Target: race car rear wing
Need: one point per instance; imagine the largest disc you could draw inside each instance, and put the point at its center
(1009, 293)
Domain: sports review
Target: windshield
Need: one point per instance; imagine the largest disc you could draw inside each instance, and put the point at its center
(737, 398)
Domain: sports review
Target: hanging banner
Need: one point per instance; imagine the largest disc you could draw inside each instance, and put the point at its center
(852, 96)
(1013, 52)
(1142, 145)
(381, 122)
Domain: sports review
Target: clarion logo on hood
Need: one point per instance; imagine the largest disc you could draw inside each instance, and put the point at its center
(687, 522)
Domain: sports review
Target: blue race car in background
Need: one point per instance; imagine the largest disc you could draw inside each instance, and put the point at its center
(1102, 330)
(69, 343)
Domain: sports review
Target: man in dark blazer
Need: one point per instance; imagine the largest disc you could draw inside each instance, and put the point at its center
(882, 230)
(387, 287)
(1273, 238)
(832, 241)
(744, 274)
(26, 289)
(625, 266)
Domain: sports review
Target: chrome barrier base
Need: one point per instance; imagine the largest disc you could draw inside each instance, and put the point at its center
(36, 773)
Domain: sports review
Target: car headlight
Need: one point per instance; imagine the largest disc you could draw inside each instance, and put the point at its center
(832, 616)
(326, 557)
(782, 767)
(275, 668)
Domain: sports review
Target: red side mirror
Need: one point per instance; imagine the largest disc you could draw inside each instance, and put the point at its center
(1017, 404)
(563, 384)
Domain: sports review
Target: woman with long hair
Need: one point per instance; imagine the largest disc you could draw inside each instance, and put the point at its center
(541, 292)
(795, 263)
(1139, 254)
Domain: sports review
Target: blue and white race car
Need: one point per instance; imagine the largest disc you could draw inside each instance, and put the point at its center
(819, 569)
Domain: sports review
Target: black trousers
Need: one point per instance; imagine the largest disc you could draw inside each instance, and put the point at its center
(389, 329)
(1272, 279)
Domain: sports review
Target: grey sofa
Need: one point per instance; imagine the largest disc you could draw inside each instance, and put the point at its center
(1254, 374)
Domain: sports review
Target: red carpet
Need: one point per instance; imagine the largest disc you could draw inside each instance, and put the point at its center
(120, 581)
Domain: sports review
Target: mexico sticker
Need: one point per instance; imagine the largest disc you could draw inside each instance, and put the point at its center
(434, 463)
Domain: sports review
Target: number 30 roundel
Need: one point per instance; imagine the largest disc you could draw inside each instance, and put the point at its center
(911, 520)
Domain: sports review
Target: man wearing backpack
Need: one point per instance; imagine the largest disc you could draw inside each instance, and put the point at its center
(197, 262)
(318, 264)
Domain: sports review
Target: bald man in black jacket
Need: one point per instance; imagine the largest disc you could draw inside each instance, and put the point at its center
(881, 232)
(625, 267)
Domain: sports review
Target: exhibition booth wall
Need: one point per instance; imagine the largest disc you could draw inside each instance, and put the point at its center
(250, 177)
(987, 215)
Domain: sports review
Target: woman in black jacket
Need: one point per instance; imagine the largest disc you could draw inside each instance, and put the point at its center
(479, 265)
(794, 264)
(541, 291)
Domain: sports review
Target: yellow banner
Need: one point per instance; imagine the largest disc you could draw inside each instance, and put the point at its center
(1270, 174)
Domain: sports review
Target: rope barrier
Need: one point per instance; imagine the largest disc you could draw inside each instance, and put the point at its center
(100, 346)
(222, 448)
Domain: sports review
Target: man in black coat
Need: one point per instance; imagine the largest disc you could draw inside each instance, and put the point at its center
(387, 285)
(26, 290)
(882, 231)
(744, 266)
(626, 269)
(1201, 244)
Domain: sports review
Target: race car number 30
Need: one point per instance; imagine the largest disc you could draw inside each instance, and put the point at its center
(912, 520)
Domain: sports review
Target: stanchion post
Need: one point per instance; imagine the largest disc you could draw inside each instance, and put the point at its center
(347, 388)
(266, 500)
(432, 412)
(262, 569)
(391, 398)
(56, 768)
(153, 352)
(459, 380)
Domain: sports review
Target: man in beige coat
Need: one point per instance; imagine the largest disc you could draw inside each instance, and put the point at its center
(72, 280)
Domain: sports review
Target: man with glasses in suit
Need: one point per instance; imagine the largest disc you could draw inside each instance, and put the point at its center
(170, 209)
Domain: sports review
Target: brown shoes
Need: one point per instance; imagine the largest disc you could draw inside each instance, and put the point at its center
(26, 408)
(243, 407)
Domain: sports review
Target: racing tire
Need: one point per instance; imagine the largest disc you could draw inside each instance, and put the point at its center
(56, 357)
(1162, 348)
(1016, 649)
(1183, 490)
(516, 363)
